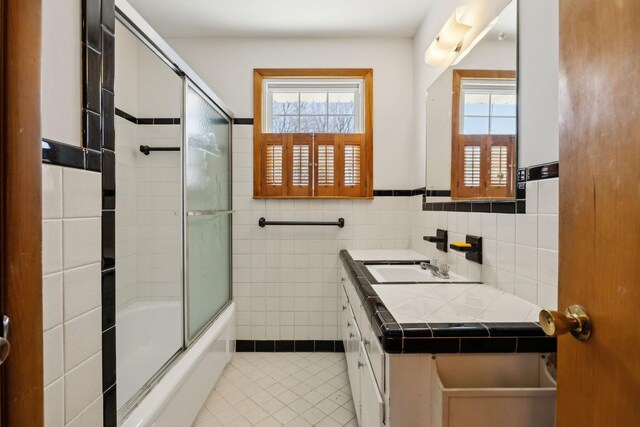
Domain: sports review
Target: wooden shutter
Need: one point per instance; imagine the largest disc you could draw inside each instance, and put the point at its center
(273, 160)
(481, 165)
(469, 166)
(299, 165)
(326, 147)
(500, 160)
(352, 171)
(308, 165)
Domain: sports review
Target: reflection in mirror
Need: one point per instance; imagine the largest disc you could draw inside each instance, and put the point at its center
(472, 118)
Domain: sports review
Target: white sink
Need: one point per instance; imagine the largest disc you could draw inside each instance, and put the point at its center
(408, 273)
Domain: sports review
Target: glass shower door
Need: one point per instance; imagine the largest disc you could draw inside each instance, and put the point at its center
(207, 211)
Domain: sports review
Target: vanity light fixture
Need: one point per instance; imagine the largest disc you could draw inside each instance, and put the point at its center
(449, 40)
(475, 41)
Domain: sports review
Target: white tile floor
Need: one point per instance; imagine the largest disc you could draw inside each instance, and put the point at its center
(281, 389)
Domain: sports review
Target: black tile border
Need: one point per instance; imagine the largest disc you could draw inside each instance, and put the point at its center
(98, 70)
(147, 120)
(422, 191)
(70, 156)
(543, 171)
(243, 121)
(289, 346)
(478, 206)
(517, 206)
(467, 337)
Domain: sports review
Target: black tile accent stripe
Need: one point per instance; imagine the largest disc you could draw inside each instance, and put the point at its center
(98, 72)
(243, 121)
(523, 175)
(70, 156)
(404, 193)
(469, 337)
(494, 206)
(147, 120)
(279, 346)
(545, 171)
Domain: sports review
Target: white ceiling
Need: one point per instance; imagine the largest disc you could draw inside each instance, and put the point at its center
(284, 18)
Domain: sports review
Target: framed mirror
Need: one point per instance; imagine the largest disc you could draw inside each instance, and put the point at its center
(472, 117)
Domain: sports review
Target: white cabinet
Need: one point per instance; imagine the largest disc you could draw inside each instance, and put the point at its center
(371, 402)
(364, 382)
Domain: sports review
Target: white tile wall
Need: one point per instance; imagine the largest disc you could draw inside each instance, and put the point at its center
(520, 252)
(159, 220)
(286, 278)
(148, 236)
(71, 208)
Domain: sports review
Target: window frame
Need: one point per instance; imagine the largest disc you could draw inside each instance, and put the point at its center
(364, 138)
(460, 140)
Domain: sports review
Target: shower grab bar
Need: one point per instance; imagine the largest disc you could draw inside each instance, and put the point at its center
(208, 213)
(146, 149)
(340, 223)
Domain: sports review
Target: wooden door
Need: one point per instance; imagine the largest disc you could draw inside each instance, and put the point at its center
(599, 380)
(21, 212)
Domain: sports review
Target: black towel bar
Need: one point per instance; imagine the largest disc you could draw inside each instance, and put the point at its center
(146, 149)
(340, 223)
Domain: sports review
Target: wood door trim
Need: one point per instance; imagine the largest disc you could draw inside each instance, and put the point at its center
(21, 212)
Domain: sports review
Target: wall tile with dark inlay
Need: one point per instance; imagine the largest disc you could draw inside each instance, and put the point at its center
(91, 130)
(93, 160)
(304, 345)
(108, 358)
(110, 407)
(108, 60)
(108, 299)
(287, 346)
(91, 11)
(108, 179)
(108, 121)
(109, 14)
(108, 239)
(56, 153)
(91, 87)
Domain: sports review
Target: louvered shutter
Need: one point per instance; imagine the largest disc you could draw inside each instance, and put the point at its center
(500, 160)
(326, 148)
(273, 160)
(352, 165)
(300, 165)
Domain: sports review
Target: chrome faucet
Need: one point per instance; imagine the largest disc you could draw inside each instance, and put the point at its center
(440, 269)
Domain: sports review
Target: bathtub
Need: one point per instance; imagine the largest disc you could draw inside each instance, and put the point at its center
(176, 398)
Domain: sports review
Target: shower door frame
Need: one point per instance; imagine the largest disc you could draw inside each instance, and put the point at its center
(136, 24)
(190, 84)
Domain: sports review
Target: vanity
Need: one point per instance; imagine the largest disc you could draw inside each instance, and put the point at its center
(425, 351)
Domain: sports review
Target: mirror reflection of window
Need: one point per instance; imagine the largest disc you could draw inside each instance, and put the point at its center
(483, 141)
(488, 107)
(472, 134)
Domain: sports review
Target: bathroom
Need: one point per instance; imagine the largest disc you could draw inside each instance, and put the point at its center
(336, 214)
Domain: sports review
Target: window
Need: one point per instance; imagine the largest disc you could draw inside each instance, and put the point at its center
(313, 133)
(483, 133)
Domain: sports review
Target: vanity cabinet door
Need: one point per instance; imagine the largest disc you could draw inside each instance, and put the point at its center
(371, 402)
(344, 317)
(352, 350)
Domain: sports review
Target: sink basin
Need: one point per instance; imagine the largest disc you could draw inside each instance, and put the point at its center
(408, 273)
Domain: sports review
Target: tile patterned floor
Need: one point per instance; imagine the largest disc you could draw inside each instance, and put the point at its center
(281, 389)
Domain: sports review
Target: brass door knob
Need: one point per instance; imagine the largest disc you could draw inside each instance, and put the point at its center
(574, 320)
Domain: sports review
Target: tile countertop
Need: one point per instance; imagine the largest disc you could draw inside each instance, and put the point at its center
(443, 317)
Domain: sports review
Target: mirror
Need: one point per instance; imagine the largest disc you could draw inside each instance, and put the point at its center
(472, 117)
